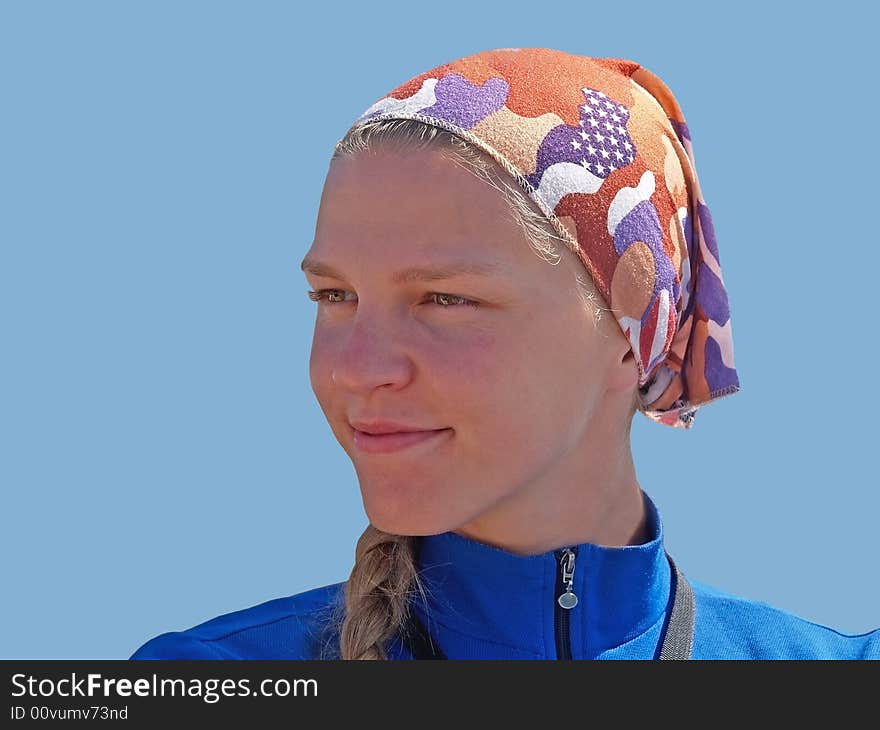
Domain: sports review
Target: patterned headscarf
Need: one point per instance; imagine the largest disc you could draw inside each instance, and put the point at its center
(601, 145)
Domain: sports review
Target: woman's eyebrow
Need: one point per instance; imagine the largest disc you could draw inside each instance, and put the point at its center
(414, 273)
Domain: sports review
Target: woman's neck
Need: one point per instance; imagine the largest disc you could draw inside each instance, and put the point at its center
(531, 522)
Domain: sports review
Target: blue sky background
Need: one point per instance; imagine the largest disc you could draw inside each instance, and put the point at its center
(163, 459)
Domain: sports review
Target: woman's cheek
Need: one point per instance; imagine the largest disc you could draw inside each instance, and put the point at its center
(471, 357)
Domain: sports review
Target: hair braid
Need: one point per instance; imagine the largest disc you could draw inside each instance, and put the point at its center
(377, 593)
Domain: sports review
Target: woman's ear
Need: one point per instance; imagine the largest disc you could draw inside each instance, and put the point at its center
(624, 375)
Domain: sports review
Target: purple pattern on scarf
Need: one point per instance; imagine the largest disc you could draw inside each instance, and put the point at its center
(600, 144)
(711, 295)
(464, 104)
(643, 224)
(681, 129)
(708, 229)
(718, 375)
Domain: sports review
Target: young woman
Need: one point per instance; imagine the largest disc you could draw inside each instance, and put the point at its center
(513, 256)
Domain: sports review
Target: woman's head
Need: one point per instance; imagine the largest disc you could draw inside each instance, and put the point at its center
(518, 362)
(532, 372)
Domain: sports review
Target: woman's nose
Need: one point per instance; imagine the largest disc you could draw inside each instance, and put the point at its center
(369, 355)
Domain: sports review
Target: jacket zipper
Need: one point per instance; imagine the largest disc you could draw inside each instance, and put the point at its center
(565, 601)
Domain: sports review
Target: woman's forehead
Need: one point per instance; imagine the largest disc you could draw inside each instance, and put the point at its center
(391, 186)
(441, 223)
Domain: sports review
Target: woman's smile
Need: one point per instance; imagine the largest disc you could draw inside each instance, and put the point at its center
(391, 442)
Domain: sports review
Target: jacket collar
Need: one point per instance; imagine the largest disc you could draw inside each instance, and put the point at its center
(485, 602)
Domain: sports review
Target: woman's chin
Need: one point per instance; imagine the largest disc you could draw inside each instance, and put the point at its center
(408, 522)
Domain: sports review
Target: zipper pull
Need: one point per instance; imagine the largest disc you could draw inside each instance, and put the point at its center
(568, 599)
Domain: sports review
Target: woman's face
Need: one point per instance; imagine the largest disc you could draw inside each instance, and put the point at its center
(514, 380)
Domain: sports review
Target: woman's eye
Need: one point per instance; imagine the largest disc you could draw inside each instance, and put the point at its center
(444, 301)
(324, 295)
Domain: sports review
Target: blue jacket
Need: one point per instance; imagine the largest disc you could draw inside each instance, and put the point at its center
(487, 603)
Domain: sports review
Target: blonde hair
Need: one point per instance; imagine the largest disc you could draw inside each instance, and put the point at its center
(384, 579)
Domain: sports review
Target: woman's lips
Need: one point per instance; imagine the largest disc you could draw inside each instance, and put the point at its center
(390, 442)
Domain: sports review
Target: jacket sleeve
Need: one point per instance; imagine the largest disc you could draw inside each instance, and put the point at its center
(176, 645)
